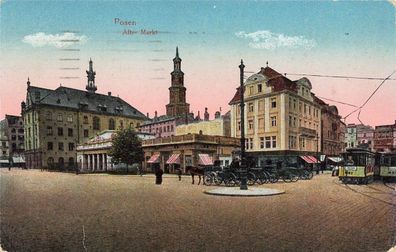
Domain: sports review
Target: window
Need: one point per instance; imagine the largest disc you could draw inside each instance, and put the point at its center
(86, 133)
(60, 118)
(251, 124)
(273, 121)
(300, 106)
(49, 116)
(168, 128)
(259, 88)
(251, 143)
(111, 124)
(247, 140)
(294, 122)
(85, 120)
(309, 110)
(261, 142)
(290, 121)
(49, 131)
(96, 123)
(37, 96)
(50, 162)
(250, 90)
(164, 128)
(171, 127)
(274, 142)
(69, 118)
(267, 142)
(251, 107)
(239, 126)
(60, 131)
(273, 102)
(60, 146)
(294, 104)
(50, 146)
(70, 132)
(71, 146)
(121, 124)
(305, 108)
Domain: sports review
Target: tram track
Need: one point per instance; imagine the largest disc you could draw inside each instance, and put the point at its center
(348, 187)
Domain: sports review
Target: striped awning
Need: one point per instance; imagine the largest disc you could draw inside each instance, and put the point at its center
(205, 159)
(174, 159)
(154, 159)
(309, 159)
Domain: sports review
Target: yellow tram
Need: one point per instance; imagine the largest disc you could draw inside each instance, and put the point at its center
(358, 166)
(388, 165)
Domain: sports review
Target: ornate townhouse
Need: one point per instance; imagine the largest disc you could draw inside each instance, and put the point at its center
(55, 121)
(385, 138)
(281, 118)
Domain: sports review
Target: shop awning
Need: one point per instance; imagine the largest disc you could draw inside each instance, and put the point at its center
(205, 159)
(18, 160)
(309, 159)
(4, 161)
(335, 159)
(314, 160)
(154, 159)
(174, 159)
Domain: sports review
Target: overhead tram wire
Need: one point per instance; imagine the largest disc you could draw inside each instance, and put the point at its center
(344, 103)
(372, 94)
(338, 76)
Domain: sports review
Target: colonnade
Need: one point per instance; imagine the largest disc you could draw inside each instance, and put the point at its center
(96, 162)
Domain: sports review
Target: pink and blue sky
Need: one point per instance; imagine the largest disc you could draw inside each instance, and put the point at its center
(328, 38)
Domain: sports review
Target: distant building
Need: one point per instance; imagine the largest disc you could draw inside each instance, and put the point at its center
(93, 156)
(12, 140)
(351, 136)
(365, 137)
(385, 138)
(333, 130)
(55, 121)
(4, 144)
(177, 110)
(220, 126)
(188, 150)
(281, 117)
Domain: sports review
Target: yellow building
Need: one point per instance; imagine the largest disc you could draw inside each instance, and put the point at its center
(220, 126)
(281, 116)
(55, 121)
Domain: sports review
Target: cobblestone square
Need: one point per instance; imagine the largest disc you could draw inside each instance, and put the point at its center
(48, 211)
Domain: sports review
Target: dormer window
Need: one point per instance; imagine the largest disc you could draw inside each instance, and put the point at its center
(259, 88)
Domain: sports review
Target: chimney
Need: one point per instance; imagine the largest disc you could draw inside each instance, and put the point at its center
(217, 115)
(147, 114)
(109, 93)
(155, 114)
(206, 115)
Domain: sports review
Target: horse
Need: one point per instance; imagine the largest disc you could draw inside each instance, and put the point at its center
(195, 171)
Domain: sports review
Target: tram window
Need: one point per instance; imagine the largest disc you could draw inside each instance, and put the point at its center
(393, 161)
(386, 160)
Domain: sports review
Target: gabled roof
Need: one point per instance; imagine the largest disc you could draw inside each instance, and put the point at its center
(79, 99)
(275, 79)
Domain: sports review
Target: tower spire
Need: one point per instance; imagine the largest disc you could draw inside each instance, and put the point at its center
(177, 52)
(91, 78)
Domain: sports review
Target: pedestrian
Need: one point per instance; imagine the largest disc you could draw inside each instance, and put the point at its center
(77, 171)
(158, 176)
(140, 169)
(179, 173)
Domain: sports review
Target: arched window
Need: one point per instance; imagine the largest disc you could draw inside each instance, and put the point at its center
(121, 124)
(111, 124)
(96, 123)
(85, 120)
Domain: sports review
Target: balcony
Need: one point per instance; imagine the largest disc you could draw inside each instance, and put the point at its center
(307, 132)
(191, 138)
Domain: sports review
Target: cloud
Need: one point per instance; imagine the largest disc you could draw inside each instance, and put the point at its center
(66, 39)
(268, 40)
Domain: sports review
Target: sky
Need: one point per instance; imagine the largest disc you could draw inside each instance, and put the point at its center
(51, 42)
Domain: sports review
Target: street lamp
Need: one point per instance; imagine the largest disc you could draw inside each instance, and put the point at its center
(243, 171)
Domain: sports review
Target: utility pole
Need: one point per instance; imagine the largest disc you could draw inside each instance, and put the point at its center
(243, 171)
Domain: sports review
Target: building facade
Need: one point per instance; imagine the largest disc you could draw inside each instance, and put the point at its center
(384, 138)
(55, 121)
(12, 139)
(4, 145)
(93, 156)
(186, 150)
(365, 137)
(351, 136)
(333, 130)
(281, 116)
(220, 126)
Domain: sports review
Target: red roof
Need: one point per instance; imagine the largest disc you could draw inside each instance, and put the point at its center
(276, 80)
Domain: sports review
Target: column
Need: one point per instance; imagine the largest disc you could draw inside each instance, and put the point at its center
(105, 162)
(95, 162)
(89, 160)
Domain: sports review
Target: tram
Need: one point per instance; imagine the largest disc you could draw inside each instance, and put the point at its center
(387, 165)
(358, 166)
